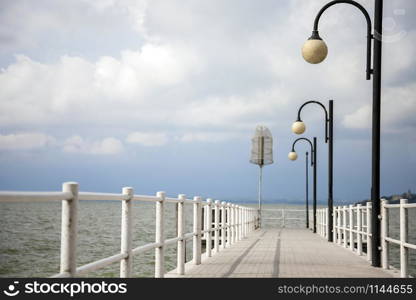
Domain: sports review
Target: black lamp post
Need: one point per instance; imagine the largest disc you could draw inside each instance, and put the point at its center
(293, 156)
(307, 188)
(315, 51)
(299, 127)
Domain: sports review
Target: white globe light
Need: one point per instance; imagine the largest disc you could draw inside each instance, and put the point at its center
(298, 127)
(292, 155)
(314, 51)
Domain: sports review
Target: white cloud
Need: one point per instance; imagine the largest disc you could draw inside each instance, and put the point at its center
(361, 118)
(139, 72)
(398, 109)
(106, 146)
(194, 70)
(25, 141)
(207, 137)
(148, 139)
(72, 88)
(237, 112)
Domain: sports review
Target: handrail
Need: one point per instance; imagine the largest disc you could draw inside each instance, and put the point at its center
(403, 207)
(9, 196)
(283, 217)
(232, 223)
(352, 224)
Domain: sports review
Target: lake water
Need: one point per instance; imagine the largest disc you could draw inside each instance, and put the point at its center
(30, 236)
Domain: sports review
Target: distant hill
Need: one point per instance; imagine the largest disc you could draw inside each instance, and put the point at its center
(393, 199)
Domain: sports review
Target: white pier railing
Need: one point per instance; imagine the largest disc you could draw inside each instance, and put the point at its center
(284, 215)
(352, 228)
(231, 224)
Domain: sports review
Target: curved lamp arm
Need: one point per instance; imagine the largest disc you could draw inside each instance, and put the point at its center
(310, 143)
(326, 116)
(315, 32)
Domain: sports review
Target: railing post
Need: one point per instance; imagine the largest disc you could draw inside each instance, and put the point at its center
(334, 230)
(223, 224)
(251, 220)
(327, 233)
(208, 242)
(228, 224)
(351, 216)
(181, 234)
(323, 222)
(217, 226)
(368, 223)
(241, 215)
(318, 221)
(241, 222)
(238, 220)
(69, 230)
(205, 222)
(384, 234)
(283, 218)
(160, 236)
(237, 223)
(344, 224)
(245, 222)
(248, 220)
(232, 223)
(359, 229)
(126, 233)
(339, 225)
(250, 215)
(197, 231)
(404, 251)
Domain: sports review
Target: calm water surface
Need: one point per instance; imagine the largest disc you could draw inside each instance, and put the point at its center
(30, 236)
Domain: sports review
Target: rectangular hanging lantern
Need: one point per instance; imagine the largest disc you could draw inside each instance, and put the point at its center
(262, 147)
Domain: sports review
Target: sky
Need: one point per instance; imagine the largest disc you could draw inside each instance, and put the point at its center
(165, 96)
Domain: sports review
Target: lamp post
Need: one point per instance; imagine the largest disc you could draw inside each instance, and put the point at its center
(261, 155)
(299, 127)
(293, 156)
(314, 51)
(307, 188)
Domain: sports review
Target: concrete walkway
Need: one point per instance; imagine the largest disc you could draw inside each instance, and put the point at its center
(283, 253)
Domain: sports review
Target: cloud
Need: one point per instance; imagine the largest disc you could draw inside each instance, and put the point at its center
(75, 86)
(192, 71)
(25, 141)
(138, 73)
(106, 146)
(398, 110)
(148, 139)
(207, 137)
(359, 119)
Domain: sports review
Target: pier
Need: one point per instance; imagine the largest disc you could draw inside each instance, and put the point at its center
(235, 246)
(283, 253)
